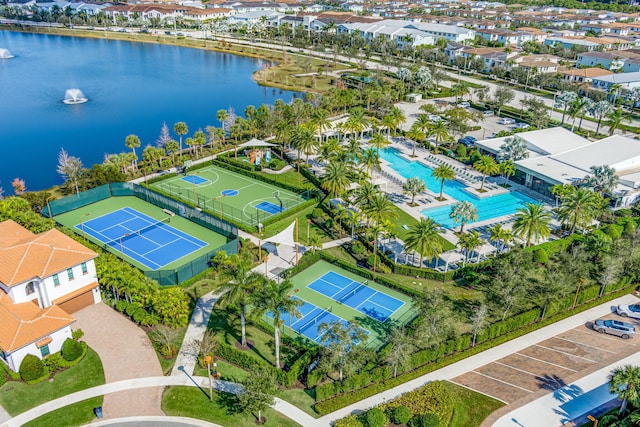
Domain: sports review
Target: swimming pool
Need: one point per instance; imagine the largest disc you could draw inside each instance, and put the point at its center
(488, 207)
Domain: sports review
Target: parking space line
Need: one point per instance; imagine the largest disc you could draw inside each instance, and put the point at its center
(544, 361)
(516, 369)
(564, 352)
(585, 345)
(478, 391)
(500, 381)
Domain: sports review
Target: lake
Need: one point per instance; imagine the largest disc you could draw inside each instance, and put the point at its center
(133, 88)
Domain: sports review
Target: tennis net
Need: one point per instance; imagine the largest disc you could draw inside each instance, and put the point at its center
(315, 319)
(138, 232)
(349, 294)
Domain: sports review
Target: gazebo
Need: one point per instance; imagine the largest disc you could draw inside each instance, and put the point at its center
(451, 257)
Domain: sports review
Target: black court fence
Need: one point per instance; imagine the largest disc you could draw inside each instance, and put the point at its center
(166, 276)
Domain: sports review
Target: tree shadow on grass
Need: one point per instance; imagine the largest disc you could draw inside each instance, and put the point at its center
(229, 402)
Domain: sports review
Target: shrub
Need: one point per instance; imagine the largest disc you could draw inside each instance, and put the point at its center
(350, 421)
(540, 256)
(357, 247)
(77, 334)
(71, 350)
(53, 362)
(31, 368)
(461, 151)
(374, 417)
(425, 420)
(400, 415)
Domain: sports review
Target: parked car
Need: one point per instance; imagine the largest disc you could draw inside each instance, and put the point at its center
(464, 104)
(629, 310)
(468, 140)
(506, 121)
(623, 330)
(487, 113)
(522, 126)
(434, 118)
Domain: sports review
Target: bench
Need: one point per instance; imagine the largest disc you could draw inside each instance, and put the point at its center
(168, 212)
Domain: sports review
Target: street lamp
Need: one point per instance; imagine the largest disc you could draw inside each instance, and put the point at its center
(121, 249)
(266, 261)
(82, 224)
(208, 360)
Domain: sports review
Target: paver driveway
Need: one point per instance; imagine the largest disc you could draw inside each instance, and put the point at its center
(126, 353)
(549, 364)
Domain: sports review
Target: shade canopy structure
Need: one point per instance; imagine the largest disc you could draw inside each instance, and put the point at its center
(485, 249)
(256, 143)
(451, 257)
(285, 237)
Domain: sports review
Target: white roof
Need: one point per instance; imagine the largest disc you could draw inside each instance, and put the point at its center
(620, 78)
(542, 142)
(616, 151)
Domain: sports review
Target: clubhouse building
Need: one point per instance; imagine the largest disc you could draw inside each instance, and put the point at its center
(558, 156)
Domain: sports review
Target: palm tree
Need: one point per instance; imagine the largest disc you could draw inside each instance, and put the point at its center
(514, 148)
(364, 193)
(577, 109)
(413, 186)
(242, 289)
(336, 178)
(532, 223)
(172, 147)
(579, 207)
(469, 242)
(600, 110)
(501, 235)
(397, 118)
(440, 132)
(380, 209)
(320, 117)
(276, 298)
(180, 129)
(444, 172)
(463, 212)
(486, 165)
(424, 238)
(625, 383)
(616, 117)
(379, 141)
(507, 169)
(566, 98)
(304, 139)
(602, 179)
(415, 135)
(370, 160)
(132, 142)
(222, 116)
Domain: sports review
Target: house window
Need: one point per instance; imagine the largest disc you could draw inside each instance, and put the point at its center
(56, 280)
(44, 350)
(70, 273)
(84, 268)
(30, 288)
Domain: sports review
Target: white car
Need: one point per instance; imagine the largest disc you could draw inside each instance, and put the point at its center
(506, 121)
(464, 104)
(629, 310)
(522, 126)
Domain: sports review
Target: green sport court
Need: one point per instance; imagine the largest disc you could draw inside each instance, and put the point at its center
(141, 233)
(330, 293)
(229, 195)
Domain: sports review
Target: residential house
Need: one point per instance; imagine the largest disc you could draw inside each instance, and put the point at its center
(625, 80)
(584, 75)
(44, 279)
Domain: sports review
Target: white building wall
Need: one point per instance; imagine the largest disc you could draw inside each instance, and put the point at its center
(15, 358)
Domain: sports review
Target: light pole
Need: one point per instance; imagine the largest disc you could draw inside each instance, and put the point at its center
(266, 261)
(82, 223)
(121, 249)
(308, 225)
(208, 360)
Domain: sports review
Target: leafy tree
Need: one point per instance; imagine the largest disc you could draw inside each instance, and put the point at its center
(501, 96)
(463, 212)
(277, 299)
(443, 173)
(424, 238)
(486, 165)
(625, 383)
(478, 320)
(532, 223)
(375, 417)
(172, 305)
(259, 391)
(435, 311)
(400, 415)
(413, 186)
(401, 346)
(70, 168)
(341, 345)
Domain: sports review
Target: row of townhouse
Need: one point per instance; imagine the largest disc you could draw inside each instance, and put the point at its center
(619, 61)
(44, 279)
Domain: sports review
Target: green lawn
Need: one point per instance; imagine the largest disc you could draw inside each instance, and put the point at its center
(78, 414)
(17, 397)
(227, 371)
(194, 403)
(300, 398)
(470, 408)
(303, 226)
(406, 219)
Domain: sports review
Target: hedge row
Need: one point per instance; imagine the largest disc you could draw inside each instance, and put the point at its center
(258, 176)
(354, 382)
(341, 401)
(434, 398)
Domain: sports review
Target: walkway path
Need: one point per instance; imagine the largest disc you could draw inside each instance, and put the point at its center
(306, 420)
(126, 353)
(188, 353)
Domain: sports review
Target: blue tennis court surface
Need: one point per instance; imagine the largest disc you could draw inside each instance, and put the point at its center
(194, 179)
(359, 296)
(312, 318)
(269, 207)
(140, 237)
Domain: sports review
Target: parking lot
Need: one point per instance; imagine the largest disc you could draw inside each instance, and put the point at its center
(549, 364)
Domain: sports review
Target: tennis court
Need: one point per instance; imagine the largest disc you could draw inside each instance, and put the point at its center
(359, 296)
(153, 243)
(230, 195)
(311, 319)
